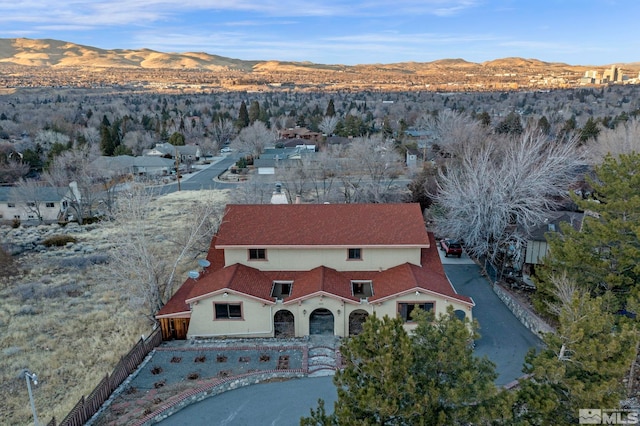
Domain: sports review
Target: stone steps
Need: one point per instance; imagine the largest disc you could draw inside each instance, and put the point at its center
(323, 356)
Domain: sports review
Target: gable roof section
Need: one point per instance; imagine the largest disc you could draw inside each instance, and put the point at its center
(304, 225)
(241, 279)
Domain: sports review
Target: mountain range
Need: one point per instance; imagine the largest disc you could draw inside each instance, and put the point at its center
(510, 73)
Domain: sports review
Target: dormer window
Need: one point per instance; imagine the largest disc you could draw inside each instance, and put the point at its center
(354, 254)
(281, 289)
(362, 289)
(257, 254)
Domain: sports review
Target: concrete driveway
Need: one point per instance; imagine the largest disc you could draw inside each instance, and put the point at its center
(280, 404)
(504, 340)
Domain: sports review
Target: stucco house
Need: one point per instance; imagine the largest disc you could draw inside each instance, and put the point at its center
(293, 270)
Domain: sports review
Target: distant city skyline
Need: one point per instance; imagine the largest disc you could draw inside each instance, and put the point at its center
(341, 31)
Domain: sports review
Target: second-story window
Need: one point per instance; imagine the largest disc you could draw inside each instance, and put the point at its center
(354, 254)
(257, 254)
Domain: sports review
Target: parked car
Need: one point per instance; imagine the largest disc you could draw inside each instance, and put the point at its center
(226, 149)
(452, 247)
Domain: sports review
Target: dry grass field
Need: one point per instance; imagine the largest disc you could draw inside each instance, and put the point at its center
(66, 320)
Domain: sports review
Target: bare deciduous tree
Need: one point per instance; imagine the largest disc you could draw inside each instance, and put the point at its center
(28, 194)
(328, 124)
(453, 130)
(376, 164)
(254, 138)
(72, 170)
(222, 131)
(624, 139)
(149, 267)
(502, 188)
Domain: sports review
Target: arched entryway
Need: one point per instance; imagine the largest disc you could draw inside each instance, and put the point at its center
(356, 320)
(321, 322)
(284, 324)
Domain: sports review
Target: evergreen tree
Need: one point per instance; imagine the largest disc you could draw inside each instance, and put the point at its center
(484, 118)
(331, 110)
(590, 130)
(510, 125)
(176, 139)
(603, 255)
(569, 126)
(243, 116)
(456, 387)
(254, 111)
(430, 378)
(107, 144)
(376, 385)
(543, 125)
(582, 365)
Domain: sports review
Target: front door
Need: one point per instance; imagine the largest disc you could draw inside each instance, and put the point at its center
(321, 322)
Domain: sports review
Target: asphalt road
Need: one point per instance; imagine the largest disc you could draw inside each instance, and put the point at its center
(278, 403)
(204, 178)
(503, 338)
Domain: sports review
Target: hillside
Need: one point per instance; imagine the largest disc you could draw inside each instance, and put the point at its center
(47, 62)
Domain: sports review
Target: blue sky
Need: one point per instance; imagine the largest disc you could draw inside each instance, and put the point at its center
(349, 32)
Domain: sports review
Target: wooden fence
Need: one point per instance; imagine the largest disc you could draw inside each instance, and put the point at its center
(88, 406)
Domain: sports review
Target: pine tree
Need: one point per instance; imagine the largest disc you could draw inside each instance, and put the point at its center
(603, 255)
(544, 125)
(331, 110)
(254, 111)
(456, 387)
(582, 364)
(430, 378)
(243, 116)
(376, 385)
(510, 125)
(176, 139)
(107, 144)
(590, 130)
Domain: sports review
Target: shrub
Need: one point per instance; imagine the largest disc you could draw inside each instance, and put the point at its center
(59, 240)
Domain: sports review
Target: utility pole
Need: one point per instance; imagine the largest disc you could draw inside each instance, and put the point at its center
(32, 377)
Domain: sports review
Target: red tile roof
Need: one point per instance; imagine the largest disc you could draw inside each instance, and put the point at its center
(241, 279)
(345, 225)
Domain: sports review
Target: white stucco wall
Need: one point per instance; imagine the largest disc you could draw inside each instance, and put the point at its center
(300, 259)
(258, 317)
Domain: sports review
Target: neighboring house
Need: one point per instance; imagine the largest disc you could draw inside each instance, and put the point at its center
(27, 205)
(296, 143)
(299, 133)
(185, 152)
(273, 158)
(122, 165)
(153, 166)
(537, 246)
(292, 270)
